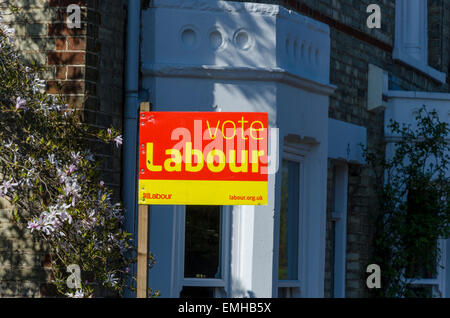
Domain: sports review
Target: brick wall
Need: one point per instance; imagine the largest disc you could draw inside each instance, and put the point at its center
(85, 66)
(439, 34)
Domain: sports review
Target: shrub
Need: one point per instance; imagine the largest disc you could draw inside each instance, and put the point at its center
(414, 210)
(52, 180)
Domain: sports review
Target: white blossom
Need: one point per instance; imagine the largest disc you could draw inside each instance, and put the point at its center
(90, 157)
(111, 280)
(52, 220)
(20, 103)
(7, 186)
(52, 159)
(78, 294)
(118, 140)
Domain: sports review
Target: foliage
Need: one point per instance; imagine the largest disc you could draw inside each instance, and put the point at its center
(413, 191)
(51, 177)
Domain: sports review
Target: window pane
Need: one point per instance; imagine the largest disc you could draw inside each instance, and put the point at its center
(197, 292)
(422, 206)
(289, 218)
(202, 242)
(287, 292)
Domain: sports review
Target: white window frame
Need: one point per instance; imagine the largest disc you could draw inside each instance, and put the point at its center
(339, 215)
(296, 153)
(441, 274)
(220, 285)
(411, 36)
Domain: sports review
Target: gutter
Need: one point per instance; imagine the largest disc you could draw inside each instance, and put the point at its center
(130, 123)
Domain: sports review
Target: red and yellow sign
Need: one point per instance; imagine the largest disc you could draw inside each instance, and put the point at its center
(203, 158)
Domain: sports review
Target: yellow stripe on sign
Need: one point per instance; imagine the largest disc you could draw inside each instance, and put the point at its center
(202, 192)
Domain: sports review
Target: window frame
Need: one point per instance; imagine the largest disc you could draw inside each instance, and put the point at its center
(339, 215)
(296, 153)
(441, 273)
(407, 14)
(219, 284)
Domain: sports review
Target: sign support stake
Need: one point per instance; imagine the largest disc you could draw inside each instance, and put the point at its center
(142, 249)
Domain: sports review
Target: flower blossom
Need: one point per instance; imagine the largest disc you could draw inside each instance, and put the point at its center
(77, 294)
(72, 188)
(9, 144)
(76, 156)
(9, 32)
(111, 279)
(118, 140)
(90, 157)
(52, 220)
(38, 85)
(52, 159)
(72, 169)
(34, 225)
(20, 103)
(7, 186)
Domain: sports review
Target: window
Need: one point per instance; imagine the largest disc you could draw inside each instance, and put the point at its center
(431, 273)
(338, 233)
(288, 256)
(427, 272)
(204, 252)
(411, 36)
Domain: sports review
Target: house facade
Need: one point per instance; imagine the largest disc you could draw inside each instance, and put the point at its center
(329, 84)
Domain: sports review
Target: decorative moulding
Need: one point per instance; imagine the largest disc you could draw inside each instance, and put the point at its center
(236, 73)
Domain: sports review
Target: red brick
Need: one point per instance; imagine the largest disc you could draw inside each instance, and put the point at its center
(65, 87)
(61, 15)
(75, 72)
(61, 44)
(46, 261)
(61, 29)
(61, 72)
(76, 43)
(66, 58)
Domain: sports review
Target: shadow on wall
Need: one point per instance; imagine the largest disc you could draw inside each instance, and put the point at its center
(206, 94)
(64, 54)
(24, 270)
(259, 37)
(75, 65)
(240, 291)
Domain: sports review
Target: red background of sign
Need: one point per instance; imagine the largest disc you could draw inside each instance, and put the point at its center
(157, 127)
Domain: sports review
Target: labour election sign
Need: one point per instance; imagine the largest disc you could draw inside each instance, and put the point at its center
(203, 158)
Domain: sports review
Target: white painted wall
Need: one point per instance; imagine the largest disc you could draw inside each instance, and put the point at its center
(186, 67)
(346, 141)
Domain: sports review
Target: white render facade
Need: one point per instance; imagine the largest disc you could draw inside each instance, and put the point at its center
(231, 57)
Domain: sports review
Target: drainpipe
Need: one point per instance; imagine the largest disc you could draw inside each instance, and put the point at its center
(130, 121)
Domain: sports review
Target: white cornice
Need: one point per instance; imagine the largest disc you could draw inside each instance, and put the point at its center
(237, 73)
(421, 66)
(239, 7)
(418, 95)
